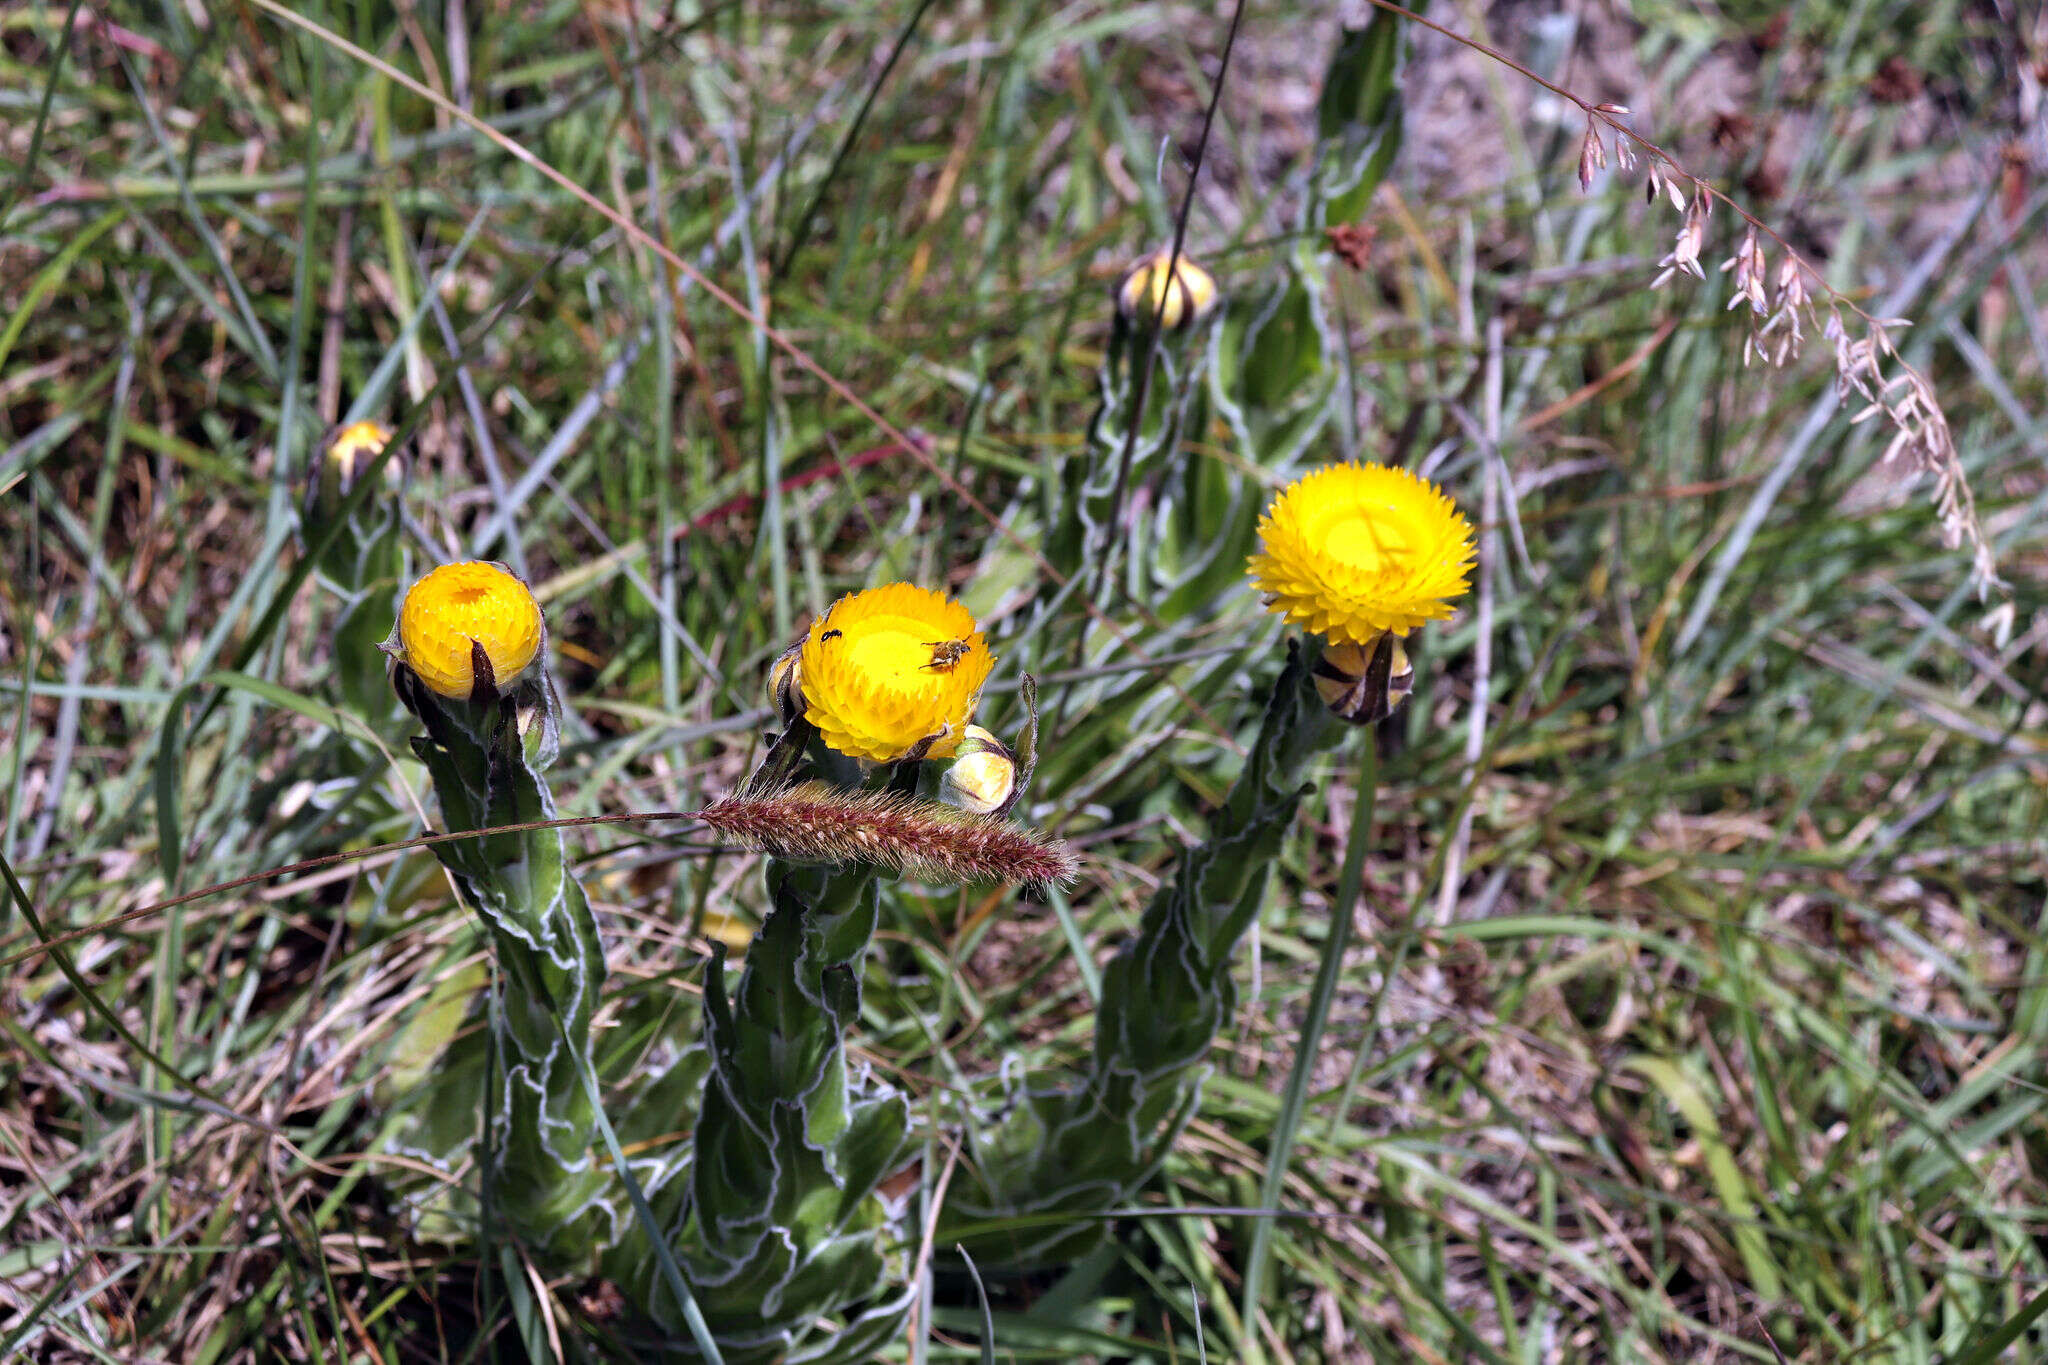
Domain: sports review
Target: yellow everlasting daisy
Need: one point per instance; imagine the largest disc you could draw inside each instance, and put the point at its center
(457, 607)
(888, 668)
(1353, 550)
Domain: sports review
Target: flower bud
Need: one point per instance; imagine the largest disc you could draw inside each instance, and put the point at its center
(1179, 299)
(982, 776)
(353, 447)
(785, 684)
(469, 631)
(347, 455)
(1363, 684)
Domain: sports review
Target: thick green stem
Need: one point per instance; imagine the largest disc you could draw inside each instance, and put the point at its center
(361, 557)
(486, 761)
(1133, 436)
(1085, 1147)
(1295, 1097)
(781, 1229)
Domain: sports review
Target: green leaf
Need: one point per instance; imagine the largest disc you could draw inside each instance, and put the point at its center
(169, 778)
(1991, 1347)
(1358, 118)
(1080, 1148)
(1285, 348)
(1722, 1171)
(424, 1041)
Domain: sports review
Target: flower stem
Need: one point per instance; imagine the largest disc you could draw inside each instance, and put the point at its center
(1294, 1099)
(1078, 1147)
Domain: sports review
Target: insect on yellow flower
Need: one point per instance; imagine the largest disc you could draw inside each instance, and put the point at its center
(875, 683)
(469, 627)
(1352, 551)
(947, 654)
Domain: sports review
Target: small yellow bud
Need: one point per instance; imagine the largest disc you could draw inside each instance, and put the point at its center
(982, 775)
(785, 683)
(349, 452)
(1364, 684)
(469, 630)
(1180, 299)
(353, 447)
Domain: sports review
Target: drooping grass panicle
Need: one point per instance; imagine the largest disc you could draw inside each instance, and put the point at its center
(818, 823)
(1870, 365)
(1783, 295)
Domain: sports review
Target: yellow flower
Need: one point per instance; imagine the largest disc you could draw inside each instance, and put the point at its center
(349, 452)
(885, 669)
(1139, 297)
(354, 446)
(1356, 549)
(459, 606)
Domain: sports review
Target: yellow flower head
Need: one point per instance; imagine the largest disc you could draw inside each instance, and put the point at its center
(1192, 295)
(459, 606)
(885, 669)
(1356, 549)
(354, 446)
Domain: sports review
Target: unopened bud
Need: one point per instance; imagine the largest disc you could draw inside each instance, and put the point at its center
(1179, 298)
(348, 454)
(353, 447)
(982, 775)
(1363, 684)
(470, 630)
(785, 684)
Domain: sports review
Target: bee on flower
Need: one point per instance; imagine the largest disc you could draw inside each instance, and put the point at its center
(890, 673)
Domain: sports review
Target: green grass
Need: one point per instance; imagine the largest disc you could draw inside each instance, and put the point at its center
(1698, 1002)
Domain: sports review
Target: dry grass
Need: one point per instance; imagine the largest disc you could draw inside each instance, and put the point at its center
(1752, 803)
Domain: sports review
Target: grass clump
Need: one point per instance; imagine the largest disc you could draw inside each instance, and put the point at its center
(1691, 1007)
